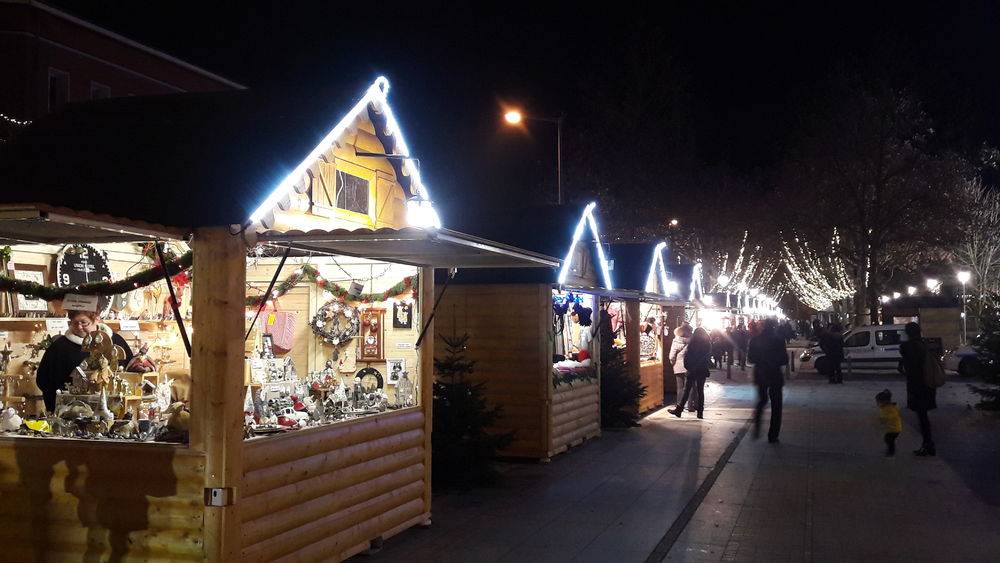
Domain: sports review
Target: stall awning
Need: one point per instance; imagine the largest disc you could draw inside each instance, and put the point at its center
(644, 296)
(46, 224)
(440, 248)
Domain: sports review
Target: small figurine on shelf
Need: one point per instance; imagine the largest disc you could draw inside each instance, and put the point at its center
(102, 412)
(141, 362)
(9, 420)
(404, 391)
(5, 357)
(102, 377)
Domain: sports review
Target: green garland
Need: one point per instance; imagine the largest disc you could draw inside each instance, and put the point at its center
(310, 273)
(142, 279)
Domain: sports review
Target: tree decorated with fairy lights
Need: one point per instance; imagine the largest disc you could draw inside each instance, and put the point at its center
(816, 273)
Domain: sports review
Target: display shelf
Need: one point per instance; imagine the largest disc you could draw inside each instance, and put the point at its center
(28, 323)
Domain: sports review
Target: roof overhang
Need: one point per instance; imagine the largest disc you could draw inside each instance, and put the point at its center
(45, 224)
(644, 296)
(437, 248)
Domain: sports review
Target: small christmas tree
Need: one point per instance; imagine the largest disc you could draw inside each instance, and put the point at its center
(620, 393)
(461, 446)
(989, 392)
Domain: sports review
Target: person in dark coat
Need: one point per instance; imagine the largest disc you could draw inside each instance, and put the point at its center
(696, 362)
(832, 344)
(768, 355)
(65, 354)
(920, 398)
(741, 338)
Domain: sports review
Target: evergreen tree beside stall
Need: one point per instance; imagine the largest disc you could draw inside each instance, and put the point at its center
(461, 446)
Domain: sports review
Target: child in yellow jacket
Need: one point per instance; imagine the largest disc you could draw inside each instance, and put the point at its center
(889, 416)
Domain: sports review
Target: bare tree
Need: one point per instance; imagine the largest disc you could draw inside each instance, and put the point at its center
(979, 250)
(867, 167)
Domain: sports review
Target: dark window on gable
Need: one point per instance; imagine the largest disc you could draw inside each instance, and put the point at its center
(352, 193)
(99, 91)
(58, 89)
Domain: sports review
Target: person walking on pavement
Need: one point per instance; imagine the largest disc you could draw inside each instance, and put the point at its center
(696, 362)
(920, 397)
(678, 349)
(767, 353)
(741, 338)
(832, 344)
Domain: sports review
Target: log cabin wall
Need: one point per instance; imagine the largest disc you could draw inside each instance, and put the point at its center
(324, 493)
(651, 375)
(510, 341)
(86, 500)
(576, 415)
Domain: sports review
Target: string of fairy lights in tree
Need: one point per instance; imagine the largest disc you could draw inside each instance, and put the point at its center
(817, 278)
(751, 269)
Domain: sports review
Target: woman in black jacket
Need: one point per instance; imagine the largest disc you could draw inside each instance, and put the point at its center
(696, 360)
(920, 397)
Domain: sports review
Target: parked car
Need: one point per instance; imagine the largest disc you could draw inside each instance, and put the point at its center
(974, 358)
(867, 347)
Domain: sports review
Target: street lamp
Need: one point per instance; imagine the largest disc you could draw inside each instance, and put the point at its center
(910, 290)
(963, 278)
(895, 295)
(933, 285)
(515, 117)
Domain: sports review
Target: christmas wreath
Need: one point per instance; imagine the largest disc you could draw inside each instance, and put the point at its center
(336, 322)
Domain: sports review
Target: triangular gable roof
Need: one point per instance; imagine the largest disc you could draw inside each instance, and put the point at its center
(587, 223)
(688, 279)
(186, 160)
(640, 267)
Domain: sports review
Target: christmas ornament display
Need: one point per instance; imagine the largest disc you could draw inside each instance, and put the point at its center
(336, 322)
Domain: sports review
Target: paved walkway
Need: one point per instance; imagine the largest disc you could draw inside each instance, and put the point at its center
(703, 490)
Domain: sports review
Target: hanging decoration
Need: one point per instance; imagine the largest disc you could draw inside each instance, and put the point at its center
(105, 288)
(336, 322)
(310, 273)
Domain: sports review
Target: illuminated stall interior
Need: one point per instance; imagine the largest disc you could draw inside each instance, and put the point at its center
(641, 310)
(533, 334)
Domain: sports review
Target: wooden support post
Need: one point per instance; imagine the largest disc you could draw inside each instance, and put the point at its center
(631, 336)
(217, 382)
(426, 379)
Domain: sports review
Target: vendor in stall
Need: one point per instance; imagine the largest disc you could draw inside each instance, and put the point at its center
(65, 354)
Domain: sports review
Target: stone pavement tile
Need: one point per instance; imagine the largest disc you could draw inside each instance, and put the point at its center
(561, 553)
(561, 532)
(695, 553)
(595, 555)
(471, 552)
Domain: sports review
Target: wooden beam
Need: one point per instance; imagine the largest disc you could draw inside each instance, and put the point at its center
(217, 379)
(427, 378)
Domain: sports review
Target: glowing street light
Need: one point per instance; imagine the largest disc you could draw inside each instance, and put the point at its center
(933, 285)
(910, 290)
(896, 295)
(723, 280)
(514, 117)
(885, 299)
(963, 278)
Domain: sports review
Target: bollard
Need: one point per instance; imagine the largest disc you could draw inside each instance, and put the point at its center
(850, 363)
(788, 373)
(791, 360)
(729, 370)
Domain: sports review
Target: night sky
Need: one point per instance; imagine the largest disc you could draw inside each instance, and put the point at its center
(748, 68)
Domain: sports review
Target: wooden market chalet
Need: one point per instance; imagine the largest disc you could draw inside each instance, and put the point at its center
(324, 186)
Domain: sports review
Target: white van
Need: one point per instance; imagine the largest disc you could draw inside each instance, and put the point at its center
(867, 347)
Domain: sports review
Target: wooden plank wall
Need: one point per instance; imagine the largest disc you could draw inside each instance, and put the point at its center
(75, 500)
(509, 340)
(576, 414)
(323, 493)
(651, 375)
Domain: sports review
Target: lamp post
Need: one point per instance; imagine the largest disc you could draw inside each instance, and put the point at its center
(515, 117)
(673, 224)
(963, 278)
